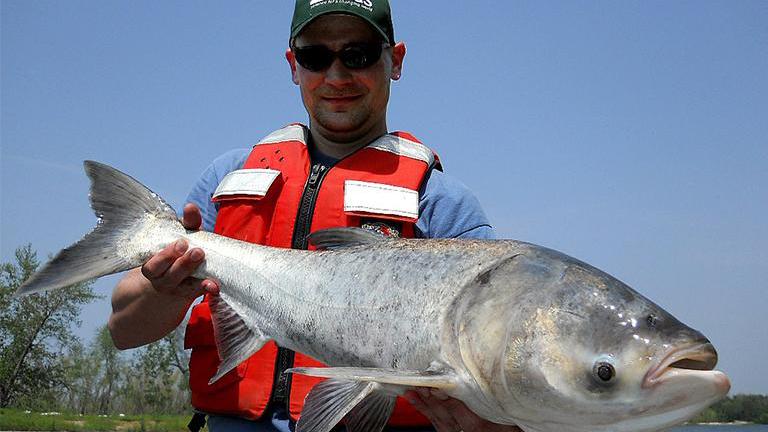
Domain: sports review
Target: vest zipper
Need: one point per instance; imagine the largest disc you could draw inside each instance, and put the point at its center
(285, 357)
(307, 207)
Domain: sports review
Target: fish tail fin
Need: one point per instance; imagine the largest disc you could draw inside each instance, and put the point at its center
(121, 203)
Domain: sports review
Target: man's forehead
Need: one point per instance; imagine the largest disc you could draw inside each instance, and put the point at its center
(338, 27)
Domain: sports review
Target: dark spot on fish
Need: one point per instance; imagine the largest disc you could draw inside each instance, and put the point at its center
(651, 320)
(484, 278)
(277, 151)
(263, 159)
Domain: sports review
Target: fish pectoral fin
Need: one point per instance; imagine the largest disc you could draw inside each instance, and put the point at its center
(444, 379)
(329, 401)
(372, 414)
(363, 397)
(337, 238)
(235, 340)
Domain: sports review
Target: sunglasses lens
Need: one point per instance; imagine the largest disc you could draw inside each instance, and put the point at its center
(318, 58)
(314, 58)
(360, 56)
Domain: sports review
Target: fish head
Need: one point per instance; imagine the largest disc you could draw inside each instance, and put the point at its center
(553, 344)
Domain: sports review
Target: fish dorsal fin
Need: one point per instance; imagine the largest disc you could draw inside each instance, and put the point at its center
(235, 340)
(409, 378)
(329, 401)
(336, 238)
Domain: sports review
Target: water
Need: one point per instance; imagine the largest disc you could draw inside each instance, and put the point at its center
(721, 428)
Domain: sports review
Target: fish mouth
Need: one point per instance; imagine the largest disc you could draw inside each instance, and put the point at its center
(699, 358)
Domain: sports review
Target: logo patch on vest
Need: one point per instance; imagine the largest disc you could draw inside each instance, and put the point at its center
(389, 229)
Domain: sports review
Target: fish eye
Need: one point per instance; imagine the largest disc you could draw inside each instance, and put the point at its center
(604, 371)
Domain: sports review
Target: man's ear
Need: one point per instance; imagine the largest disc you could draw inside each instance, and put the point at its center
(398, 54)
(292, 63)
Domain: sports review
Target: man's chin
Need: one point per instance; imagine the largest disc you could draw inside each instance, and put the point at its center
(342, 131)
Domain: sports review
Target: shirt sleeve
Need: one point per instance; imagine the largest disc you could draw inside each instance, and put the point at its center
(202, 191)
(448, 209)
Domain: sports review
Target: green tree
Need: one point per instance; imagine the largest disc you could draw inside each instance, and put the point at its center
(749, 408)
(160, 375)
(108, 358)
(78, 392)
(34, 331)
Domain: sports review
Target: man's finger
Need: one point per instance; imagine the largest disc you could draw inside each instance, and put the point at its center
(192, 218)
(466, 418)
(159, 263)
(211, 286)
(421, 406)
(441, 418)
(190, 288)
(182, 268)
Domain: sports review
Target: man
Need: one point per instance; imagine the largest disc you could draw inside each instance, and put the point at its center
(343, 170)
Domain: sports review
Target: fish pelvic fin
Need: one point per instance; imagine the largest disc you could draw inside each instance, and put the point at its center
(330, 401)
(235, 340)
(442, 379)
(120, 202)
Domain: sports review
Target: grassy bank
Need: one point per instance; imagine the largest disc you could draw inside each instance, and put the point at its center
(18, 420)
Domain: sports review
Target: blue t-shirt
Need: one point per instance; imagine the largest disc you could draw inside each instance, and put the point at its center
(447, 208)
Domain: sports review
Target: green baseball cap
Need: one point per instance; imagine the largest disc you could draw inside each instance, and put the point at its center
(376, 12)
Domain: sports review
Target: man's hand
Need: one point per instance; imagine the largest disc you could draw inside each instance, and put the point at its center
(148, 303)
(170, 270)
(451, 415)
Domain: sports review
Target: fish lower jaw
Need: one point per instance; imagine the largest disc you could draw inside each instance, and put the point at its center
(663, 420)
(640, 423)
(711, 383)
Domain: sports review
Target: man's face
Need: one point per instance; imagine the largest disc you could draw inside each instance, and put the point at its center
(345, 104)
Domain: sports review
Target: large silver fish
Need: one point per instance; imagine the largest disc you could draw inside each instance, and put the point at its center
(522, 334)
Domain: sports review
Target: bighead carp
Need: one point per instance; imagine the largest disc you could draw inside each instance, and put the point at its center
(521, 334)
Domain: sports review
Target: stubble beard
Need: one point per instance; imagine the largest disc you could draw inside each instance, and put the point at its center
(343, 126)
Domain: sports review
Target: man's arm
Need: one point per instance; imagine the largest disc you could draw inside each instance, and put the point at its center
(151, 301)
(448, 209)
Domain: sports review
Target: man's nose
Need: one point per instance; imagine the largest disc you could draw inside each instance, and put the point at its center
(337, 73)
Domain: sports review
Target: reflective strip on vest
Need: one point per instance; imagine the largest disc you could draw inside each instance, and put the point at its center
(360, 196)
(246, 182)
(289, 133)
(404, 147)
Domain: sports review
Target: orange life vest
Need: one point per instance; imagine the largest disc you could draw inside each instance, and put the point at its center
(276, 199)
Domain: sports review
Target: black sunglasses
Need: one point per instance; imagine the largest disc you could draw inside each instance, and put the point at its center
(318, 58)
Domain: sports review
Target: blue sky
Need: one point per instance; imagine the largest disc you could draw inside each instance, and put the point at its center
(632, 135)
